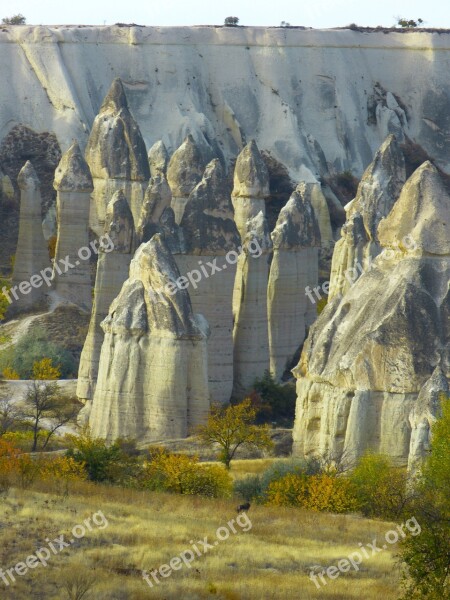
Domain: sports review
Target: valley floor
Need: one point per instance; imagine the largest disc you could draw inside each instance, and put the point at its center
(269, 556)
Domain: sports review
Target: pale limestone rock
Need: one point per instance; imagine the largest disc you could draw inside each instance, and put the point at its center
(313, 192)
(296, 240)
(152, 382)
(112, 271)
(377, 192)
(157, 198)
(117, 157)
(250, 332)
(32, 252)
(50, 223)
(371, 352)
(251, 186)
(73, 183)
(210, 253)
(184, 172)
(158, 159)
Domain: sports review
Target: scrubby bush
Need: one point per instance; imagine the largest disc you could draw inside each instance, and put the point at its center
(380, 487)
(255, 487)
(60, 472)
(9, 457)
(249, 488)
(183, 474)
(102, 463)
(33, 347)
(325, 492)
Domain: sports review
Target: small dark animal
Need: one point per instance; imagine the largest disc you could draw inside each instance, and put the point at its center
(243, 507)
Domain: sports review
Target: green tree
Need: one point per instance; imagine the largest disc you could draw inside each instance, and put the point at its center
(279, 398)
(15, 20)
(427, 556)
(233, 426)
(231, 21)
(408, 23)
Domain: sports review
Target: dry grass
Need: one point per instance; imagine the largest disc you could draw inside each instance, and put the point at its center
(270, 561)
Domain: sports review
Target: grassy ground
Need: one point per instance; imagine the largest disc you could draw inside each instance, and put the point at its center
(271, 560)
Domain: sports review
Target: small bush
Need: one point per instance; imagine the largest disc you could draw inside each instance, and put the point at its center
(210, 481)
(183, 474)
(249, 488)
(101, 462)
(9, 460)
(61, 472)
(324, 492)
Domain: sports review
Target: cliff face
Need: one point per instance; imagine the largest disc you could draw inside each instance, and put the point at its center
(338, 91)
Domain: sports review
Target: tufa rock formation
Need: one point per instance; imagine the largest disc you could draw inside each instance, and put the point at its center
(157, 198)
(152, 382)
(378, 190)
(158, 159)
(251, 186)
(32, 254)
(294, 267)
(372, 351)
(73, 183)
(184, 172)
(211, 243)
(250, 332)
(115, 254)
(117, 157)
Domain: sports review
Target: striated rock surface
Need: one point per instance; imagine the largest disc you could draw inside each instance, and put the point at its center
(184, 172)
(115, 253)
(251, 186)
(157, 198)
(73, 184)
(158, 159)
(377, 192)
(370, 353)
(32, 253)
(250, 332)
(117, 156)
(210, 254)
(152, 382)
(313, 192)
(294, 267)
